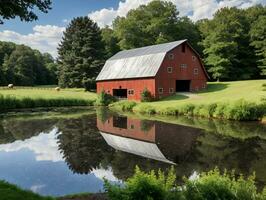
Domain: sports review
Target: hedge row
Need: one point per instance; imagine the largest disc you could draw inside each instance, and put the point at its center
(240, 110)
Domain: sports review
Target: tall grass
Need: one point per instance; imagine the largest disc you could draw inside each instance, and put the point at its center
(240, 110)
(11, 102)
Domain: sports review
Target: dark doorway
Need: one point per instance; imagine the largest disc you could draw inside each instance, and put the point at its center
(120, 122)
(182, 85)
(120, 93)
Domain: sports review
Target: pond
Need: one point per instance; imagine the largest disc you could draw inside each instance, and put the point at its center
(63, 153)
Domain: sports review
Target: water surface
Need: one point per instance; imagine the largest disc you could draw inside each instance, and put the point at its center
(63, 154)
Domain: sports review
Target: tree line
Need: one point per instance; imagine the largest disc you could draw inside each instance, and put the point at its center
(232, 45)
(21, 65)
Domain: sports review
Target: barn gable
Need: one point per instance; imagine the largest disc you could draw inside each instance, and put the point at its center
(136, 63)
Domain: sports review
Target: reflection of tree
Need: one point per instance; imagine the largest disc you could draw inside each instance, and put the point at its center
(82, 145)
(11, 130)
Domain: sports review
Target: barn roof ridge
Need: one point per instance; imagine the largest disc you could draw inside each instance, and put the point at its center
(151, 49)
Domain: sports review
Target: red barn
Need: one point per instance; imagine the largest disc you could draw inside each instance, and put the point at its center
(163, 69)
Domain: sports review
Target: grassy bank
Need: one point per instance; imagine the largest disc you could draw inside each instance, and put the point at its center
(240, 100)
(43, 97)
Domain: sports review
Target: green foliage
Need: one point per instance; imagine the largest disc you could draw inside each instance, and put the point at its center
(21, 65)
(240, 110)
(104, 99)
(23, 9)
(123, 105)
(212, 185)
(81, 54)
(146, 95)
(228, 54)
(11, 102)
(145, 186)
(110, 42)
(154, 23)
(12, 192)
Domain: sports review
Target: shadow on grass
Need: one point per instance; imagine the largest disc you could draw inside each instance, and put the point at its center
(214, 87)
(175, 97)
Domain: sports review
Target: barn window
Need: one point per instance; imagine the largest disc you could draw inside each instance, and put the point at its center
(171, 56)
(160, 90)
(131, 92)
(193, 58)
(132, 126)
(183, 47)
(169, 69)
(171, 90)
(196, 71)
(183, 65)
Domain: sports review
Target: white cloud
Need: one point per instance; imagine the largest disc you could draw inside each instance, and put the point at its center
(105, 173)
(195, 9)
(44, 38)
(44, 146)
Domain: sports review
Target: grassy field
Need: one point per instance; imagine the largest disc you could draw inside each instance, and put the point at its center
(238, 100)
(43, 97)
(47, 93)
(220, 92)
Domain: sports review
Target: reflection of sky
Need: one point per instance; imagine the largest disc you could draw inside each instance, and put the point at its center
(37, 164)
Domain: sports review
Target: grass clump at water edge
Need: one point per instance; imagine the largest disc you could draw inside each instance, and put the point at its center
(240, 110)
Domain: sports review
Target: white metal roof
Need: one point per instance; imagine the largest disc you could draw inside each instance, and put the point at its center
(137, 147)
(136, 63)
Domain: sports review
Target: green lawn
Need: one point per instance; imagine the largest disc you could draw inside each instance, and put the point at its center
(219, 92)
(48, 93)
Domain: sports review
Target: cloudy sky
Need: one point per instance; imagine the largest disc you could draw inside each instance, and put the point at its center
(45, 33)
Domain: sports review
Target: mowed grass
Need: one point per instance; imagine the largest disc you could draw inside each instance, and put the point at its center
(48, 93)
(251, 91)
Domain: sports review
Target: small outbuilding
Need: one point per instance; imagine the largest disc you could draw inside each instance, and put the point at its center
(163, 69)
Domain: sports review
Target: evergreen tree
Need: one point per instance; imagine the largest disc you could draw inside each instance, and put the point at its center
(81, 53)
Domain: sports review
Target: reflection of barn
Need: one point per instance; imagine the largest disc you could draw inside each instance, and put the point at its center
(160, 141)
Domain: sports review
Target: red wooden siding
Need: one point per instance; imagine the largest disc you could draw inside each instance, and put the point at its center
(137, 85)
(167, 80)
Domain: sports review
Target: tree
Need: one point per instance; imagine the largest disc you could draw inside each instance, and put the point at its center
(155, 23)
(148, 24)
(81, 54)
(257, 19)
(110, 42)
(228, 54)
(22, 9)
(258, 36)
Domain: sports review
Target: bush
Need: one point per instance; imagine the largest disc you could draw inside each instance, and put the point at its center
(146, 95)
(144, 186)
(212, 185)
(145, 109)
(104, 99)
(187, 109)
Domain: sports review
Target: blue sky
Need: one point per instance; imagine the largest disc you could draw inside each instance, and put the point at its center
(61, 10)
(46, 33)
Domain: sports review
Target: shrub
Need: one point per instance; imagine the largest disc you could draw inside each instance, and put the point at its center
(168, 111)
(212, 185)
(104, 99)
(144, 186)
(146, 95)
